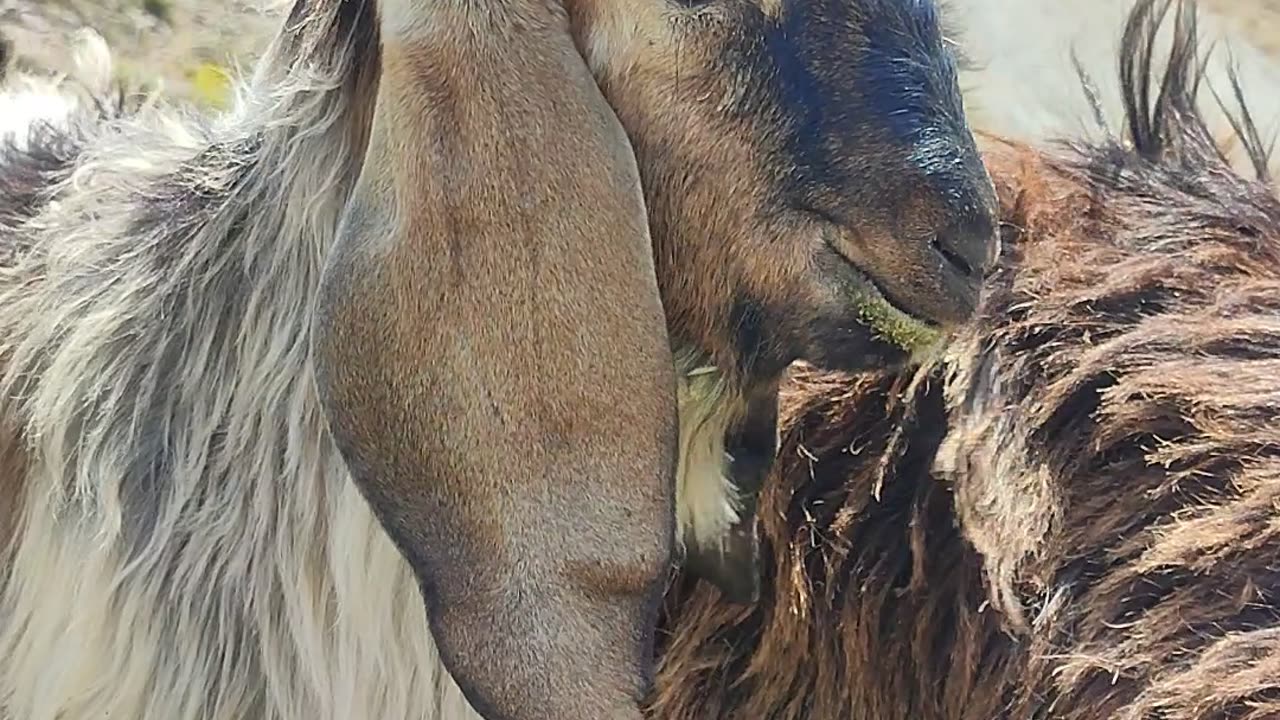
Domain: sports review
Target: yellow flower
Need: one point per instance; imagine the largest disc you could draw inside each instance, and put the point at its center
(212, 85)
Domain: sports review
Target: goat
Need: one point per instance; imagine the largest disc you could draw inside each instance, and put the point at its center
(1073, 515)
(210, 328)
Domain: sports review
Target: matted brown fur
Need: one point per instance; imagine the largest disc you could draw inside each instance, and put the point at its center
(1079, 521)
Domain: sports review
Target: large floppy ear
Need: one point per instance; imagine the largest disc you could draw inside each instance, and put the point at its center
(493, 360)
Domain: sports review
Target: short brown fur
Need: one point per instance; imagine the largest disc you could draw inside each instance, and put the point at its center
(1079, 521)
(787, 204)
(514, 409)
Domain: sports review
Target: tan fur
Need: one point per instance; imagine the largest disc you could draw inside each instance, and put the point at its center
(526, 229)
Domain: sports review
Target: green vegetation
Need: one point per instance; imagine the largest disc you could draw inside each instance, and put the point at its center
(896, 327)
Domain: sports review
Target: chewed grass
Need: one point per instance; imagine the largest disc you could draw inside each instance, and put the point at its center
(897, 328)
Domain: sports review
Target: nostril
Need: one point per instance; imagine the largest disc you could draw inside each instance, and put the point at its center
(968, 243)
(948, 252)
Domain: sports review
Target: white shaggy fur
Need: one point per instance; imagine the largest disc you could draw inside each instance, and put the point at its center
(190, 545)
(30, 100)
(707, 503)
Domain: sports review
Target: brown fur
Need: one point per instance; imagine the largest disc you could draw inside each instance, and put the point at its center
(775, 205)
(1076, 516)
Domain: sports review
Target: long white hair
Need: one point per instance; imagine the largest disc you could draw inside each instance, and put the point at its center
(186, 540)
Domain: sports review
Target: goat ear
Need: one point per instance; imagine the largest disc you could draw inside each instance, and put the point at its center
(491, 354)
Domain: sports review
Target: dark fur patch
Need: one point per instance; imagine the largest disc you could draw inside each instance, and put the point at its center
(752, 445)
(907, 78)
(27, 176)
(900, 93)
(168, 216)
(751, 342)
(6, 56)
(346, 24)
(754, 442)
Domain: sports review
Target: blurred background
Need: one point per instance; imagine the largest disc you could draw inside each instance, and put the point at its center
(186, 48)
(1023, 83)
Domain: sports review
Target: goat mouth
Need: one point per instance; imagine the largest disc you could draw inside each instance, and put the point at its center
(829, 227)
(887, 317)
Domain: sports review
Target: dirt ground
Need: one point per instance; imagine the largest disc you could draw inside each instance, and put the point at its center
(181, 46)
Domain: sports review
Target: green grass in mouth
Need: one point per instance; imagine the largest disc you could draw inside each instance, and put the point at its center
(896, 327)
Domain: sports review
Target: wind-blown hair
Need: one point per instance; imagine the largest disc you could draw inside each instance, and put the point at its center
(137, 545)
